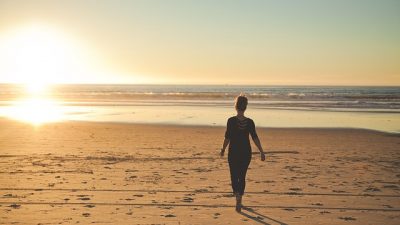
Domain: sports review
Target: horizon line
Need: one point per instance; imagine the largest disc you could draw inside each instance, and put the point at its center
(214, 84)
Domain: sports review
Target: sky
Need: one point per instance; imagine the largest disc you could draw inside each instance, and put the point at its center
(298, 42)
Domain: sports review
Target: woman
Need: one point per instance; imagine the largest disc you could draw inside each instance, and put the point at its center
(237, 136)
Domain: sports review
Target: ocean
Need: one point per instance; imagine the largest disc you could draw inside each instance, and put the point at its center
(376, 108)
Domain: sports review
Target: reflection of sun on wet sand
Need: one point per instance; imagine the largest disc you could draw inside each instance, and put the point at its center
(35, 110)
(141, 174)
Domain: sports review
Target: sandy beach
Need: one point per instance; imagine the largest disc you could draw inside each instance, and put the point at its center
(98, 173)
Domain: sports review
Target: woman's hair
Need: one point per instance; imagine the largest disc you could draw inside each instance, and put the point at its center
(241, 102)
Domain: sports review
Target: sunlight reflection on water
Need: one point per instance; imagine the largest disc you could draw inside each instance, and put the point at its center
(38, 110)
(35, 110)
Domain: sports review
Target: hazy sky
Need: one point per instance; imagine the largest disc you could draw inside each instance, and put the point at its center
(296, 42)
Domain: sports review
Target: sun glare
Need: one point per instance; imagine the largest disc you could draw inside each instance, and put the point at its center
(36, 88)
(38, 55)
(35, 111)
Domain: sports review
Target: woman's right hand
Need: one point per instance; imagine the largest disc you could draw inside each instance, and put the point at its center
(262, 156)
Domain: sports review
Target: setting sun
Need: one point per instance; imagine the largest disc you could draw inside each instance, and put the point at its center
(38, 55)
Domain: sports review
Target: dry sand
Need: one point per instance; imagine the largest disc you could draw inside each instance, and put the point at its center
(95, 173)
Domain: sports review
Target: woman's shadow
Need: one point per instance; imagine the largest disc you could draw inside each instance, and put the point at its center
(257, 217)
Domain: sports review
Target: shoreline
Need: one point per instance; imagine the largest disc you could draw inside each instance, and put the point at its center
(4, 119)
(206, 115)
(223, 127)
(227, 103)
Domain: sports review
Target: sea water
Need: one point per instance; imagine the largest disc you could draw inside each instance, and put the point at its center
(375, 108)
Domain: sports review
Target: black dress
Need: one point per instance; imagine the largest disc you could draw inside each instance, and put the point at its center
(239, 155)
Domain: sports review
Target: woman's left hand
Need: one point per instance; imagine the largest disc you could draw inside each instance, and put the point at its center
(262, 154)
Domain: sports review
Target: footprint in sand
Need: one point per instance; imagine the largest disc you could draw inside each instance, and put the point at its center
(347, 218)
(289, 209)
(295, 189)
(317, 204)
(372, 189)
(391, 186)
(86, 214)
(201, 190)
(15, 206)
(83, 197)
(187, 199)
(8, 196)
(170, 215)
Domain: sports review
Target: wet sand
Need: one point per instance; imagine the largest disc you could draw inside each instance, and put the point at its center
(99, 173)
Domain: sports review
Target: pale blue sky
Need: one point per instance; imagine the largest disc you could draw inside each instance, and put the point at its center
(229, 42)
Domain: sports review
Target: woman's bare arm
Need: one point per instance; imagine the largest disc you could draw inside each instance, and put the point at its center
(258, 144)
(224, 145)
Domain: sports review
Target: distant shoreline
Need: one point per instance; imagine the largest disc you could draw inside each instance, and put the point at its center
(265, 129)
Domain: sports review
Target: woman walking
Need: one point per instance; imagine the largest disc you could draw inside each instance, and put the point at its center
(239, 156)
